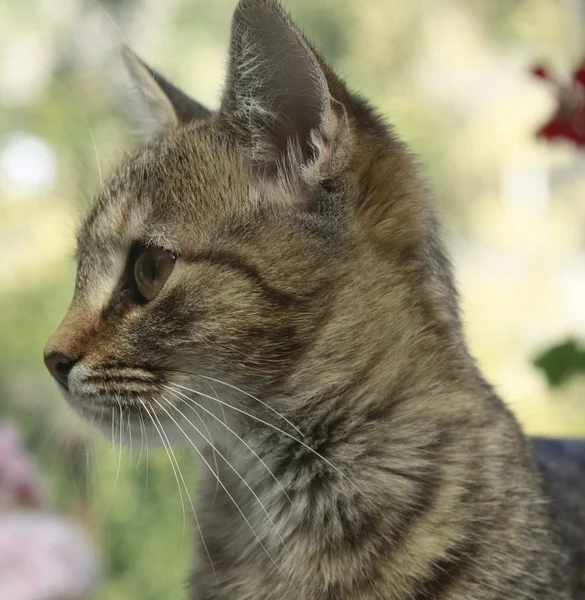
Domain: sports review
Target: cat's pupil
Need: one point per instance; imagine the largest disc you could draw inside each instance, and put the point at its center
(150, 268)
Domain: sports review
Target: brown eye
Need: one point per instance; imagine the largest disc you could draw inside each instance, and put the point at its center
(151, 270)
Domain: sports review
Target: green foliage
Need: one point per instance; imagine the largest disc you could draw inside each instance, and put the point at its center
(561, 362)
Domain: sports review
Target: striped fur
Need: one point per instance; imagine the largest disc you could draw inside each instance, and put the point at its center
(312, 317)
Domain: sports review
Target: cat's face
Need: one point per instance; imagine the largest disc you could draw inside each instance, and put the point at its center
(185, 271)
(238, 254)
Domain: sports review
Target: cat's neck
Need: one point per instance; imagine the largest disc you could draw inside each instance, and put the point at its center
(367, 469)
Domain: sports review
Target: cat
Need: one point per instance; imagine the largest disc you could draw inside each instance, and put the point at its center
(268, 279)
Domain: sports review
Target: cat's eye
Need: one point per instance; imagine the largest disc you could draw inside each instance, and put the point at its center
(152, 268)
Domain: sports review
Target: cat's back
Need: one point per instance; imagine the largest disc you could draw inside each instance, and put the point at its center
(563, 466)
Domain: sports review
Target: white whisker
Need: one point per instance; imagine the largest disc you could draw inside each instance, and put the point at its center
(233, 433)
(84, 117)
(170, 460)
(113, 425)
(88, 465)
(141, 438)
(286, 434)
(221, 484)
(109, 17)
(257, 400)
(120, 447)
(214, 454)
(213, 450)
(130, 435)
(188, 497)
(226, 460)
(147, 456)
(124, 39)
(259, 420)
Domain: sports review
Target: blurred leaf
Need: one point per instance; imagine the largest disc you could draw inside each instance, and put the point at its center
(561, 362)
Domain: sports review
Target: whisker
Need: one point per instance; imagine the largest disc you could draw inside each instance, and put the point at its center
(141, 438)
(49, 435)
(101, 418)
(147, 459)
(96, 478)
(147, 450)
(233, 433)
(88, 464)
(213, 450)
(160, 38)
(265, 404)
(109, 17)
(259, 420)
(120, 446)
(113, 425)
(130, 435)
(84, 117)
(217, 397)
(220, 482)
(125, 40)
(97, 482)
(226, 460)
(170, 460)
(249, 396)
(214, 453)
(290, 436)
(188, 496)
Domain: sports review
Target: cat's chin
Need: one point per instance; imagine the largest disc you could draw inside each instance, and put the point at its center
(135, 430)
(135, 434)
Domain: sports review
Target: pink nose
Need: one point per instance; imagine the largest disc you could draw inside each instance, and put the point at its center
(60, 366)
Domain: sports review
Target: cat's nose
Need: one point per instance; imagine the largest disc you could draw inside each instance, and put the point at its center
(60, 366)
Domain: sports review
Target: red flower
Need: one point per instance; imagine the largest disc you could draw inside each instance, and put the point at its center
(568, 121)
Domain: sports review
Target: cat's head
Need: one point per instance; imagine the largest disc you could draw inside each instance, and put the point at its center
(279, 248)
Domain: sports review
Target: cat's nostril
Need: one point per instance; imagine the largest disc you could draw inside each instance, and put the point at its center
(59, 366)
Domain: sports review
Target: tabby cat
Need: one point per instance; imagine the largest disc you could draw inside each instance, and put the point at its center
(266, 284)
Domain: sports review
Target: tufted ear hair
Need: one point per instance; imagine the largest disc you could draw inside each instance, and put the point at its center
(157, 104)
(277, 96)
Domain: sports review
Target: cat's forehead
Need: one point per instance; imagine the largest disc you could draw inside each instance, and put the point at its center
(171, 185)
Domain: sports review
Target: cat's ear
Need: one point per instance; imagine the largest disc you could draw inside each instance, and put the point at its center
(157, 104)
(277, 96)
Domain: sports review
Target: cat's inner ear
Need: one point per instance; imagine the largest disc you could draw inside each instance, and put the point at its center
(276, 95)
(157, 104)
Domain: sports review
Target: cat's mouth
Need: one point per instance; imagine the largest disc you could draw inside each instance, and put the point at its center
(102, 389)
(108, 378)
(127, 402)
(135, 401)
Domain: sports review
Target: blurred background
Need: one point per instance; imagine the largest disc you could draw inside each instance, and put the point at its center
(453, 76)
